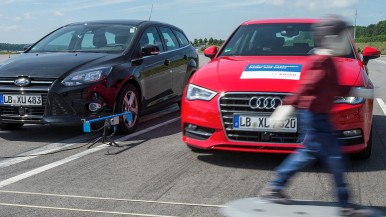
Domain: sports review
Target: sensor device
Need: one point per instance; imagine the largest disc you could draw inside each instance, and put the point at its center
(109, 121)
(113, 119)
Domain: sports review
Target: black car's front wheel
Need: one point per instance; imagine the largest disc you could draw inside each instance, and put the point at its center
(128, 101)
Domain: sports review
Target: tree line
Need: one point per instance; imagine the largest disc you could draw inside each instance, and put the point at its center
(11, 47)
(371, 33)
(198, 42)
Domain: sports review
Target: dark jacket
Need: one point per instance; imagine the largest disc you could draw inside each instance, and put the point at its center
(318, 86)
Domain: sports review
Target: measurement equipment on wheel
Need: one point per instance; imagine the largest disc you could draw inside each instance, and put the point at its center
(110, 122)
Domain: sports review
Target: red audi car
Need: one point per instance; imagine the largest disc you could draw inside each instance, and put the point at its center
(227, 101)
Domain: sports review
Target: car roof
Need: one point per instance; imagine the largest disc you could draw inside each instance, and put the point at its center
(286, 20)
(124, 22)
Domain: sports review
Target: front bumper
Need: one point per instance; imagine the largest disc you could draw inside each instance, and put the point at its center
(203, 127)
(60, 105)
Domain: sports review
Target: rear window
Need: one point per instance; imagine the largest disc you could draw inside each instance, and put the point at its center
(271, 40)
(181, 38)
(169, 38)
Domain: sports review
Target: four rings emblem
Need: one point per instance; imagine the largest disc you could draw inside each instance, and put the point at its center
(265, 102)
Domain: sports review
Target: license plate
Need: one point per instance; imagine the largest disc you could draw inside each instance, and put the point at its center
(20, 100)
(262, 123)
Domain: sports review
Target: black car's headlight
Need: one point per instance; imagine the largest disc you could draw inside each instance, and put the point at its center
(199, 93)
(349, 100)
(86, 76)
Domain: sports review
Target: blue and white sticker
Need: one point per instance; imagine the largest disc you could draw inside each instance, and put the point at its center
(272, 71)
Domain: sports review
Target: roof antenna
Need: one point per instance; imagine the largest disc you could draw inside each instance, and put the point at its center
(151, 11)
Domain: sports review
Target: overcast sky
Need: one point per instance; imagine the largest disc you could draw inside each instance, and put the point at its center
(26, 21)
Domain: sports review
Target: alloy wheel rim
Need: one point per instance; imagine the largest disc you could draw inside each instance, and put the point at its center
(130, 104)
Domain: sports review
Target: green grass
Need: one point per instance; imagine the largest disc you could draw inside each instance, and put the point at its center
(378, 44)
(7, 52)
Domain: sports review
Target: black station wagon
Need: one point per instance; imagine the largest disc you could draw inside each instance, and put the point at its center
(91, 69)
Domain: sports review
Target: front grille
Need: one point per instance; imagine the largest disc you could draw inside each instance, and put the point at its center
(39, 86)
(58, 106)
(238, 103)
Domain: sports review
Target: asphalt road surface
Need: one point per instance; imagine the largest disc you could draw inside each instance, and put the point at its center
(49, 171)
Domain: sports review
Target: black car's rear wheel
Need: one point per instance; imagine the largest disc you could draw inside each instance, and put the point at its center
(128, 101)
(11, 126)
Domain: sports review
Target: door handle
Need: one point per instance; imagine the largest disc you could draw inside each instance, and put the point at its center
(167, 62)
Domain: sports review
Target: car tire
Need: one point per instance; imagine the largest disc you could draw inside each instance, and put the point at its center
(11, 126)
(128, 101)
(366, 153)
(179, 104)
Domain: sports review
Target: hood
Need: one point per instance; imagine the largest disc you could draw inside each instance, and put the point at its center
(51, 65)
(263, 73)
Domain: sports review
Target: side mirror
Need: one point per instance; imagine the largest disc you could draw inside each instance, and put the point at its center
(211, 51)
(370, 53)
(150, 50)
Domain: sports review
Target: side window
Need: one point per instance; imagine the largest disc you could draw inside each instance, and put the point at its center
(181, 38)
(169, 38)
(151, 37)
(110, 38)
(87, 42)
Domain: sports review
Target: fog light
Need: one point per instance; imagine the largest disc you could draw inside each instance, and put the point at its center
(191, 127)
(350, 133)
(94, 107)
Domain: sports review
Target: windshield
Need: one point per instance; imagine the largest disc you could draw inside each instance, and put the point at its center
(87, 38)
(271, 40)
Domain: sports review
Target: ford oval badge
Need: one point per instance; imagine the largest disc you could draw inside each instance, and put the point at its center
(22, 82)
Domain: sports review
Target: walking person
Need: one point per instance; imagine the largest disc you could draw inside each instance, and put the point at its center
(313, 98)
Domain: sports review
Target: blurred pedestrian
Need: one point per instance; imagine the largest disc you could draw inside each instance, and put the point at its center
(313, 97)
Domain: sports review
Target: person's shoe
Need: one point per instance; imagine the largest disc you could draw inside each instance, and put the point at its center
(275, 196)
(355, 212)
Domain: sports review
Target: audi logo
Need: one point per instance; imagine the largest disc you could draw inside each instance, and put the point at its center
(265, 102)
(21, 82)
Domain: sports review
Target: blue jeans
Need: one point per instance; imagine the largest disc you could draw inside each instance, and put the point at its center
(320, 144)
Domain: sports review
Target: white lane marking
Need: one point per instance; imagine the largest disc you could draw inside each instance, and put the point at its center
(380, 61)
(42, 150)
(159, 114)
(110, 198)
(50, 148)
(82, 210)
(79, 155)
(382, 105)
(49, 166)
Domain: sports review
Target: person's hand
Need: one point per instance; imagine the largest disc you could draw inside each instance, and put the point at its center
(362, 92)
(281, 114)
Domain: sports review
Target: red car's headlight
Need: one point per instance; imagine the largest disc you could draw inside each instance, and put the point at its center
(349, 100)
(199, 93)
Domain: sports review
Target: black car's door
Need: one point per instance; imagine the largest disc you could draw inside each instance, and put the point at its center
(177, 59)
(155, 72)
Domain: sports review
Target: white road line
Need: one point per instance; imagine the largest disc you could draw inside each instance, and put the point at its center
(159, 114)
(76, 156)
(50, 148)
(380, 61)
(382, 105)
(111, 199)
(50, 166)
(81, 210)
